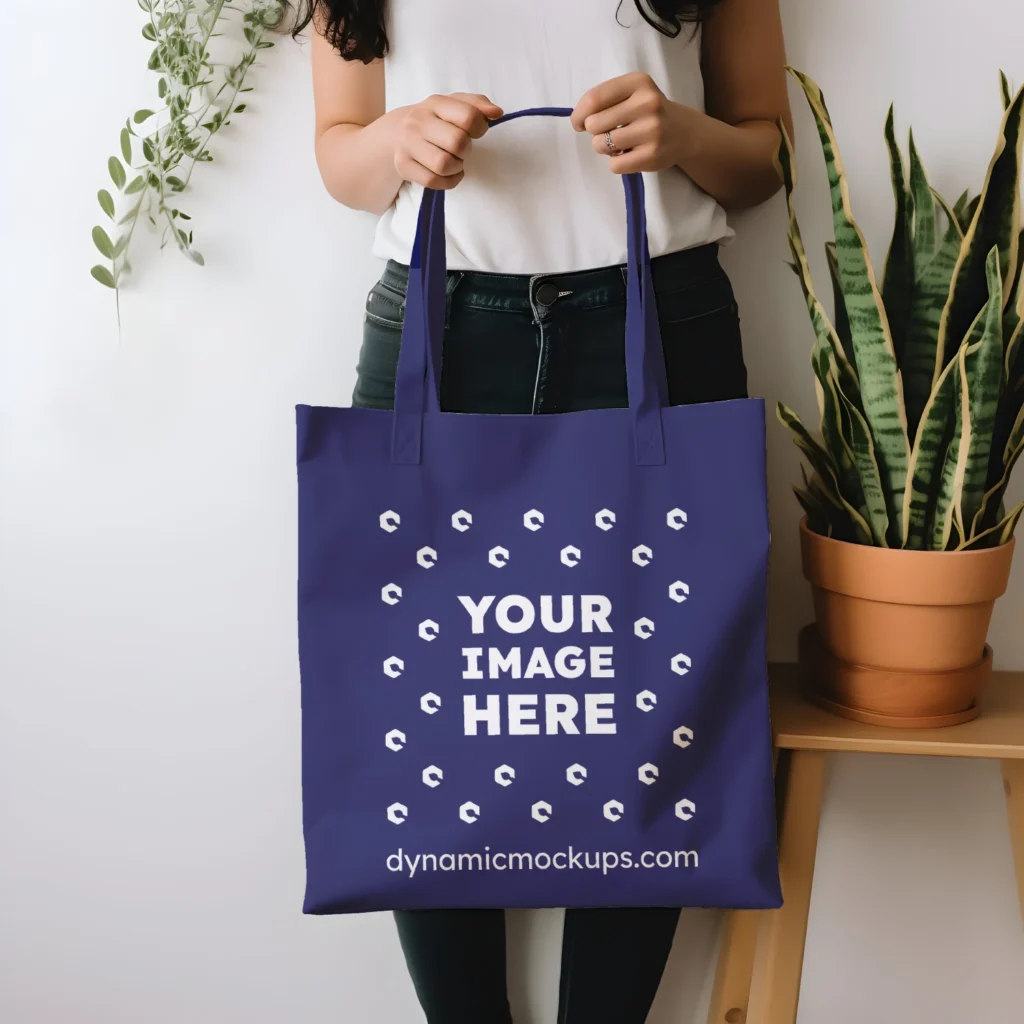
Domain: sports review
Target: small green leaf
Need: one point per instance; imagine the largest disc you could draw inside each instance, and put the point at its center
(126, 145)
(176, 183)
(106, 202)
(240, 108)
(142, 115)
(136, 185)
(161, 88)
(120, 245)
(103, 243)
(197, 257)
(103, 275)
(117, 174)
(148, 32)
(147, 150)
(183, 216)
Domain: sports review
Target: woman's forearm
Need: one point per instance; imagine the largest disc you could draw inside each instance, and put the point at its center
(733, 163)
(357, 163)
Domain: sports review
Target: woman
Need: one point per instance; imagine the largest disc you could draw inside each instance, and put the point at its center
(690, 94)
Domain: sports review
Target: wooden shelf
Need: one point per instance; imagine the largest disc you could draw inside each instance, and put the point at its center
(998, 732)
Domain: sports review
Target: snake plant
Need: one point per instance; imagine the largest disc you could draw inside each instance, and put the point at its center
(920, 376)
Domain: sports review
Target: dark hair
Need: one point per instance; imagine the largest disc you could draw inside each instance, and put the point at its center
(357, 30)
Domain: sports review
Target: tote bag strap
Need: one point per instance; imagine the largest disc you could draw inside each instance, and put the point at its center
(419, 362)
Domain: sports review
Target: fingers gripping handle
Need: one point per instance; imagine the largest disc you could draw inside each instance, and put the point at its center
(416, 383)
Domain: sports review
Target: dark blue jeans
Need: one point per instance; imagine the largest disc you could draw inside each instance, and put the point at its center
(546, 344)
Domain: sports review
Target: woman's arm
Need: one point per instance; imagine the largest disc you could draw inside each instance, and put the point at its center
(364, 154)
(729, 151)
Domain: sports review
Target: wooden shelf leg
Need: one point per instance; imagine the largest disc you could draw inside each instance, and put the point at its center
(736, 958)
(1013, 783)
(779, 956)
(735, 964)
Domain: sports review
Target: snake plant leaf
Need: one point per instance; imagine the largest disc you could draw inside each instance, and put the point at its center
(994, 495)
(1004, 89)
(837, 434)
(813, 450)
(842, 321)
(1012, 403)
(858, 438)
(898, 274)
(933, 436)
(825, 469)
(952, 221)
(996, 223)
(824, 332)
(947, 492)
(1014, 301)
(874, 355)
(930, 294)
(984, 363)
(969, 211)
(817, 518)
(996, 535)
(924, 211)
(960, 209)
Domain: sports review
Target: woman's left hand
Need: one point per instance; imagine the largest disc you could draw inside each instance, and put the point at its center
(646, 131)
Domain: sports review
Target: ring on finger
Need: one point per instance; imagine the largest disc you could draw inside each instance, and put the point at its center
(612, 148)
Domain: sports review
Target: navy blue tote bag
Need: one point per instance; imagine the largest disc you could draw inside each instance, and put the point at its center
(533, 647)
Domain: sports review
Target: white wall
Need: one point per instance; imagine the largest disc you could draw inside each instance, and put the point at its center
(150, 857)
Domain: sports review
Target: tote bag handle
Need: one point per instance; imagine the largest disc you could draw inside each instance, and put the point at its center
(419, 361)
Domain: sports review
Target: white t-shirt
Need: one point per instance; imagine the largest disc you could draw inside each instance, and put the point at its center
(536, 197)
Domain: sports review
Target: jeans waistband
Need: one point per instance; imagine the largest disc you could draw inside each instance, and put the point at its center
(583, 289)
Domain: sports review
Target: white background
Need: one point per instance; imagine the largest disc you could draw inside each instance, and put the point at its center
(150, 858)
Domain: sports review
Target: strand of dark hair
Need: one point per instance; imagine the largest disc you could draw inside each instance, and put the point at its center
(357, 28)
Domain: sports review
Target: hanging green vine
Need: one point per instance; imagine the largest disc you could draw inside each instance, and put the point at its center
(160, 149)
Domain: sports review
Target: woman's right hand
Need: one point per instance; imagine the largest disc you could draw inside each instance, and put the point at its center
(434, 136)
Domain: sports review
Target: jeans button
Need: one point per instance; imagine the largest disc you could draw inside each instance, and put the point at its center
(547, 294)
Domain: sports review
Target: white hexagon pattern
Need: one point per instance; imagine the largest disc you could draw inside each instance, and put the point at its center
(645, 700)
(676, 518)
(681, 664)
(533, 520)
(642, 554)
(430, 703)
(682, 737)
(571, 555)
(541, 811)
(613, 810)
(685, 809)
(643, 628)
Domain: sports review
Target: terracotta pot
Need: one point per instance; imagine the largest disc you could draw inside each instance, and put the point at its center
(919, 618)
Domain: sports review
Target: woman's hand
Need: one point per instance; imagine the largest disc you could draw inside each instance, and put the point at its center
(433, 137)
(647, 131)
